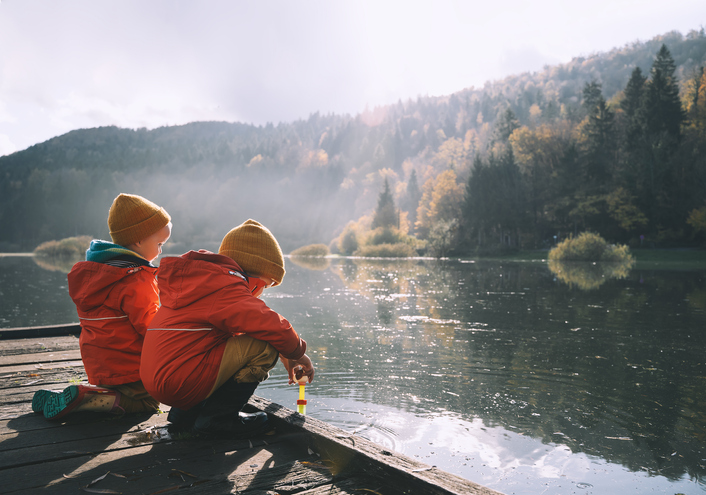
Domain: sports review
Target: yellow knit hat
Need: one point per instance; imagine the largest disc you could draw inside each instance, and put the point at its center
(255, 249)
(132, 218)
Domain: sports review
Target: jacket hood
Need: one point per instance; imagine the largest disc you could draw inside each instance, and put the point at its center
(102, 251)
(90, 283)
(194, 275)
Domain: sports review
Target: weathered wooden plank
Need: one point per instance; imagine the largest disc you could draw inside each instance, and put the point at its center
(29, 380)
(48, 344)
(40, 331)
(36, 431)
(161, 466)
(40, 357)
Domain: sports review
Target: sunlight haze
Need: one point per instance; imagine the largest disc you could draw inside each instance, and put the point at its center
(71, 64)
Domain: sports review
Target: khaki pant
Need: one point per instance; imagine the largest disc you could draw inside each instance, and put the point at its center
(134, 398)
(245, 360)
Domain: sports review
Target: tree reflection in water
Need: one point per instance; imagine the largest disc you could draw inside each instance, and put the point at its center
(586, 275)
(615, 372)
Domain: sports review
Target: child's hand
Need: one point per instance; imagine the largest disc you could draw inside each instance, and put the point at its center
(298, 368)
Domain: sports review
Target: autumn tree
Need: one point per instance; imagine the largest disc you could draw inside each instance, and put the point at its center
(440, 202)
(546, 160)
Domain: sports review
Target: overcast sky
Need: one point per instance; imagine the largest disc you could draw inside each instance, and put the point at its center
(71, 64)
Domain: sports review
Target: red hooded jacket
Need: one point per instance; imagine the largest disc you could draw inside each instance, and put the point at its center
(115, 305)
(206, 299)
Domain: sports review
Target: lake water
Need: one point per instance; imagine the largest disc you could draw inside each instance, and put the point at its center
(509, 374)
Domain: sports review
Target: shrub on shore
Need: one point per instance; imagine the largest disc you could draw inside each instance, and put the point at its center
(71, 247)
(312, 250)
(590, 247)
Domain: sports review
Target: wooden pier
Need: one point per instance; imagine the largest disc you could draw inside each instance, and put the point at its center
(134, 454)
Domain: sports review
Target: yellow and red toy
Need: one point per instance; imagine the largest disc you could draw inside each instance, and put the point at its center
(301, 403)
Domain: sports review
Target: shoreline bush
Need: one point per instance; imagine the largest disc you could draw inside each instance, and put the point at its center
(588, 246)
(312, 250)
(70, 247)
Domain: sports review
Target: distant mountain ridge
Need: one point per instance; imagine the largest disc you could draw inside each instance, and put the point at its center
(305, 179)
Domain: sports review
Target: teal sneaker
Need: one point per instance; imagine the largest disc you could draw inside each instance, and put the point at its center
(40, 398)
(61, 404)
(58, 405)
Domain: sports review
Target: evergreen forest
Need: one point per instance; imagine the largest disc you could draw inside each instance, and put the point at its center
(612, 143)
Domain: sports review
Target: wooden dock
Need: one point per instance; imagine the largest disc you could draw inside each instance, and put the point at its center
(94, 453)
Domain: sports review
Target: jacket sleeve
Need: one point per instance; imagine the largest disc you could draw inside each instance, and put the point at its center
(236, 311)
(139, 300)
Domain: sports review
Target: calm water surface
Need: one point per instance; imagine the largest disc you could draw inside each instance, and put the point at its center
(509, 374)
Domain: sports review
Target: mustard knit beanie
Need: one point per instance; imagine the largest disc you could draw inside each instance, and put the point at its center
(255, 249)
(132, 218)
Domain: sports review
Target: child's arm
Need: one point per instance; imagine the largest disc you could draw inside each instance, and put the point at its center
(139, 300)
(237, 311)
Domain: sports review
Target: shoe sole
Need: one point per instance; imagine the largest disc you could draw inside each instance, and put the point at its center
(60, 404)
(39, 399)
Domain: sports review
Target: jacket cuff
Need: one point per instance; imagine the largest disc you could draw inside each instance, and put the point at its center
(299, 351)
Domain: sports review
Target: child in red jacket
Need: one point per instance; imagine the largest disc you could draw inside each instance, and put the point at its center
(214, 340)
(116, 296)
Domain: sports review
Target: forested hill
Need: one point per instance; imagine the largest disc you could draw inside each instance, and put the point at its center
(590, 144)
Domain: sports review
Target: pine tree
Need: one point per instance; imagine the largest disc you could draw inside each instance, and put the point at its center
(592, 94)
(600, 144)
(633, 93)
(661, 105)
(411, 198)
(386, 214)
(631, 105)
(662, 117)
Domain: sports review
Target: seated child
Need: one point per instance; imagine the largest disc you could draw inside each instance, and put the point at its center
(116, 296)
(213, 340)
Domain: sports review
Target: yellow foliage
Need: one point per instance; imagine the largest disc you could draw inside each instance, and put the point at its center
(697, 219)
(255, 161)
(314, 159)
(452, 153)
(441, 201)
(543, 146)
(623, 211)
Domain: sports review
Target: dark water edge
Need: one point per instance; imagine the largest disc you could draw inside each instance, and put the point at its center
(507, 373)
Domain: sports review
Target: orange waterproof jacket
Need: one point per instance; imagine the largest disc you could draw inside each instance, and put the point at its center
(206, 299)
(114, 305)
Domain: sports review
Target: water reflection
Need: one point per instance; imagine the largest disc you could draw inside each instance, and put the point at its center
(616, 373)
(33, 295)
(589, 276)
(499, 372)
(61, 264)
(311, 262)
